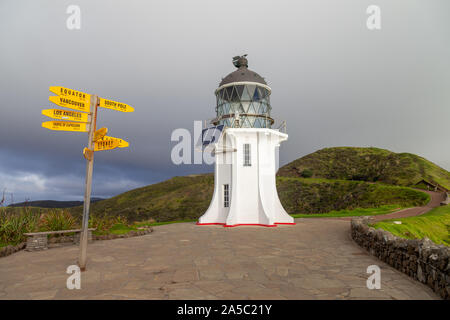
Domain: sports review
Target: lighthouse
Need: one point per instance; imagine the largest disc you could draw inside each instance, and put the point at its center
(245, 153)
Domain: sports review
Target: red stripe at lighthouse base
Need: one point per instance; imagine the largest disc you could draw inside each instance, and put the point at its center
(245, 224)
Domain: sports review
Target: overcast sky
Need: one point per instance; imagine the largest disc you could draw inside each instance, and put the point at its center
(334, 81)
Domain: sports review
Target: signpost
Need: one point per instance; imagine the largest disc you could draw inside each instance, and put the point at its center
(88, 153)
(122, 143)
(72, 103)
(65, 126)
(105, 145)
(114, 105)
(97, 139)
(66, 115)
(100, 133)
(70, 93)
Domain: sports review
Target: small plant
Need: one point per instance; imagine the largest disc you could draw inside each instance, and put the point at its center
(306, 173)
(144, 223)
(57, 219)
(105, 222)
(121, 220)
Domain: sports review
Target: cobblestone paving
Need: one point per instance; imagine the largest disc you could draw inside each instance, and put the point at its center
(315, 259)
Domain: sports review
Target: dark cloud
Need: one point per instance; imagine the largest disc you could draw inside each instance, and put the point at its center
(336, 82)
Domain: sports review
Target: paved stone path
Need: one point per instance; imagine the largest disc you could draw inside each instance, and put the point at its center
(315, 259)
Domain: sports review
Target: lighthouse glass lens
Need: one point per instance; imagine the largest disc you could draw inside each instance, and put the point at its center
(248, 102)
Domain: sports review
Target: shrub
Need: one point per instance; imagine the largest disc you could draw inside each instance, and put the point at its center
(103, 222)
(57, 219)
(306, 173)
(15, 223)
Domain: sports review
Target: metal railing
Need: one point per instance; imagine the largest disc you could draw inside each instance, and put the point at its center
(282, 126)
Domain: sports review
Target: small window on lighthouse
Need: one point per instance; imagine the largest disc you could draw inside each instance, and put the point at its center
(226, 196)
(247, 162)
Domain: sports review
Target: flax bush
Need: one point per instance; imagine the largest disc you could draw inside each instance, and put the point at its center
(57, 219)
(103, 222)
(14, 223)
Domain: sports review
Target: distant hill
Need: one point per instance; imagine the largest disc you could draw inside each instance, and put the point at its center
(52, 203)
(178, 198)
(366, 164)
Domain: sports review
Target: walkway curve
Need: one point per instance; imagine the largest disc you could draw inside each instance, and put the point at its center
(435, 201)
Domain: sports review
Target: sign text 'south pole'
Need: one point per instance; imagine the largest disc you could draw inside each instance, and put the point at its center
(87, 192)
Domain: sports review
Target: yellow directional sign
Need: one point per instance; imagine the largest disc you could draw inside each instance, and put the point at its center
(114, 105)
(101, 145)
(122, 143)
(88, 153)
(100, 133)
(66, 115)
(70, 93)
(72, 103)
(66, 126)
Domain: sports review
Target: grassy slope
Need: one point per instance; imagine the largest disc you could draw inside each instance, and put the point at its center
(434, 225)
(367, 164)
(300, 195)
(179, 198)
(352, 213)
(187, 198)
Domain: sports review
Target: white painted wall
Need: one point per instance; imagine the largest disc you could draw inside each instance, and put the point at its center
(253, 194)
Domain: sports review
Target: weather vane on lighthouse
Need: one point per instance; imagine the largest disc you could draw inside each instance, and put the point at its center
(245, 153)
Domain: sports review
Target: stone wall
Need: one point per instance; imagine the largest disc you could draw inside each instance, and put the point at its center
(422, 260)
(130, 234)
(7, 250)
(93, 237)
(37, 242)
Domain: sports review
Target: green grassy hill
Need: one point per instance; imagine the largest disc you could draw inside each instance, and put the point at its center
(366, 164)
(187, 198)
(300, 195)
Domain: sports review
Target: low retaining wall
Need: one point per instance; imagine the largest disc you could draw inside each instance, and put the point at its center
(422, 260)
(75, 238)
(125, 235)
(8, 250)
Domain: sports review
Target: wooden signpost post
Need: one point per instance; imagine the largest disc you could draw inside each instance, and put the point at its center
(97, 139)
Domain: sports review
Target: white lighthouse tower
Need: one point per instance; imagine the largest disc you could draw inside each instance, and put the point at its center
(245, 154)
